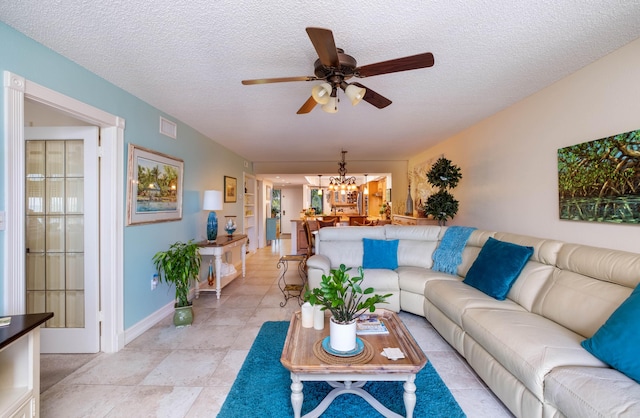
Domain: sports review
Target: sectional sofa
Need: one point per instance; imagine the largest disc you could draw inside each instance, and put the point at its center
(527, 347)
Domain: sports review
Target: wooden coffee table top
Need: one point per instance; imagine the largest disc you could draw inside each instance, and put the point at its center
(297, 354)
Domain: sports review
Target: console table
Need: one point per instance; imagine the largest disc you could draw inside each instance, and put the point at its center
(20, 365)
(412, 220)
(220, 246)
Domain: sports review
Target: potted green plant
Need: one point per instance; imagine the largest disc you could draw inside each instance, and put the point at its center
(442, 205)
(343, 296)
(180, 265)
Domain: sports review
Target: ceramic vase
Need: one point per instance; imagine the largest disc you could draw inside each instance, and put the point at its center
(306, 314)
(182, 316)
(318, 317)
(409, 204)
(342, 337)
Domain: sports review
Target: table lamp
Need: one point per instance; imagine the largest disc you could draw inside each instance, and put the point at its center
(212, 201)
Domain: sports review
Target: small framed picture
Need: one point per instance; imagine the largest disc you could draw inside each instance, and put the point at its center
(230, 189)
(155, 187)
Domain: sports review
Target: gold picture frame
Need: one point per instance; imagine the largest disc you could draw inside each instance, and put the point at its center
(230, 189)
(154, 186)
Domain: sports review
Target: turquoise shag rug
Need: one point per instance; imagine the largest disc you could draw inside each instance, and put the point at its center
(262, 388)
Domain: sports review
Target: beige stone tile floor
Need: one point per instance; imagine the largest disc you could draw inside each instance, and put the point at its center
(187, 372)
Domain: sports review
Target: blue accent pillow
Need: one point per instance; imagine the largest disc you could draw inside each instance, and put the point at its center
(616, 342)
(380, 254)
(497, 267)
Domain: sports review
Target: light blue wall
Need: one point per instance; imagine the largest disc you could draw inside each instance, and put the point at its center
(206, 162)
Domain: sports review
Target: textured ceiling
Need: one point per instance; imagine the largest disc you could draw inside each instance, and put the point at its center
(187, 58)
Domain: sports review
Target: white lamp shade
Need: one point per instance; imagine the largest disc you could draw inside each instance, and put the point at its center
(212, 200)
(355, 93)
(331, 106)
(321, 93)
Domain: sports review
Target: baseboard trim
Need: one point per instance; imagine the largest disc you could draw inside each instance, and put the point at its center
(138, 329)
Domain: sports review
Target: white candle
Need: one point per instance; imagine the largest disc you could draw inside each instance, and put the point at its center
(318, 317)
(307, 315)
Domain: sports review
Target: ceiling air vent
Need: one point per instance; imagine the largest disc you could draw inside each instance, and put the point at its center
(168, 128)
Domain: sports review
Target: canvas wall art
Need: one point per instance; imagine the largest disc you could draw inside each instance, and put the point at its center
(599, 181)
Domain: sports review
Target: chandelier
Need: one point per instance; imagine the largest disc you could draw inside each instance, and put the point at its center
(342, 182)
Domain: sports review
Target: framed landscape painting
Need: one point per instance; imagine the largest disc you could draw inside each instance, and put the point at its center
(599, 181)
(230, 189)
(154, 186)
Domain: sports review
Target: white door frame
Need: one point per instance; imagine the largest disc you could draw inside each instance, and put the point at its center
(111, 151)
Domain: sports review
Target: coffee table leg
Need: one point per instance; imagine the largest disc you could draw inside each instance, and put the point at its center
(296, 395)
(409, 395)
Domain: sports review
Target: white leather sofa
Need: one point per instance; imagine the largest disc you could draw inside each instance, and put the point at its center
(527, 347)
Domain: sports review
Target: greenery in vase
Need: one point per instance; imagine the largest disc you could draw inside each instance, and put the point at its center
(179, 265)
(343, 295)
(442, 205)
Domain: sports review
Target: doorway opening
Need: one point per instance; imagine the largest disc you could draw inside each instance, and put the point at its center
(17, 90)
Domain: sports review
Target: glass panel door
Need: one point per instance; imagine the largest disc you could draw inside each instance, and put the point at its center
(61, 215)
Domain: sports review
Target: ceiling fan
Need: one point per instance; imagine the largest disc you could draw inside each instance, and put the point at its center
(334, 67)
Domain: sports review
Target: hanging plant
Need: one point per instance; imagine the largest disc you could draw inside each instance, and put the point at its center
(444, 175)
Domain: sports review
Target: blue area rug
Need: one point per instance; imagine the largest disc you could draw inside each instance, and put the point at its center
(262, 388)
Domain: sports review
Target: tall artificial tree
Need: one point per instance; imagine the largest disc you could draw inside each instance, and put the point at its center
(442, 205)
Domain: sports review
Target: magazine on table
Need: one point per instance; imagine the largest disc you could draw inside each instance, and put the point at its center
(368, 324)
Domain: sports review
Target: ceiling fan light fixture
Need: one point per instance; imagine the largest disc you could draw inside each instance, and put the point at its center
(355, 93)
(331, 106)
(321, 93)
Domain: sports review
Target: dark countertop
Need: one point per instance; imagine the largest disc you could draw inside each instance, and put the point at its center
(21, 325)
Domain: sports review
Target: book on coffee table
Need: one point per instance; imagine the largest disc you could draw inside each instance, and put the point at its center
(368, 324)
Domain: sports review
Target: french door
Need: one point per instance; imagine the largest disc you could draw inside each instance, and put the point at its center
(62, 235)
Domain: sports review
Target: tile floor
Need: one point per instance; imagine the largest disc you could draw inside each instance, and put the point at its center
(187, 372)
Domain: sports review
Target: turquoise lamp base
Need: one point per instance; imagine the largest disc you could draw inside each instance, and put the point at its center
(212, 226)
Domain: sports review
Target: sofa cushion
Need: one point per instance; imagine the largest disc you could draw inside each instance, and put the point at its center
(380, 254)
(592, 391)
(383, 281)
(616, 342)
(417, 243)
(343, 245)
(453, 298)
(497, 267)
(589, 301)
(413, 279)
(527, 345)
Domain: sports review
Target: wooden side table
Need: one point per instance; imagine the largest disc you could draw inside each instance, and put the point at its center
(220, 246)
(299, 358)
(292, 290)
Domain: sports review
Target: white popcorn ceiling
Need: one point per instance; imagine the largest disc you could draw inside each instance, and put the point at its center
(187, 58)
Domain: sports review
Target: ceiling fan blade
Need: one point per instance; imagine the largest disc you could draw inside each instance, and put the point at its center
(322, 40)
(412, 62)
(374, 98)
(278, 80)
(307, 106)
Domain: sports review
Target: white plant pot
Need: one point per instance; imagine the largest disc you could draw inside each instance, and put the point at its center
(342, 337)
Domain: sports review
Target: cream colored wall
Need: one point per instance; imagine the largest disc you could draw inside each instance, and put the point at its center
(509, 161)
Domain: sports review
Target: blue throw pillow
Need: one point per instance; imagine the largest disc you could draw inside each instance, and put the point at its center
(380, 254)
(616, 342)
(497, 267)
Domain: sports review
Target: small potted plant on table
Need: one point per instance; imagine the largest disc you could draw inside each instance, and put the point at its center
(343, 296)
(180, 265)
